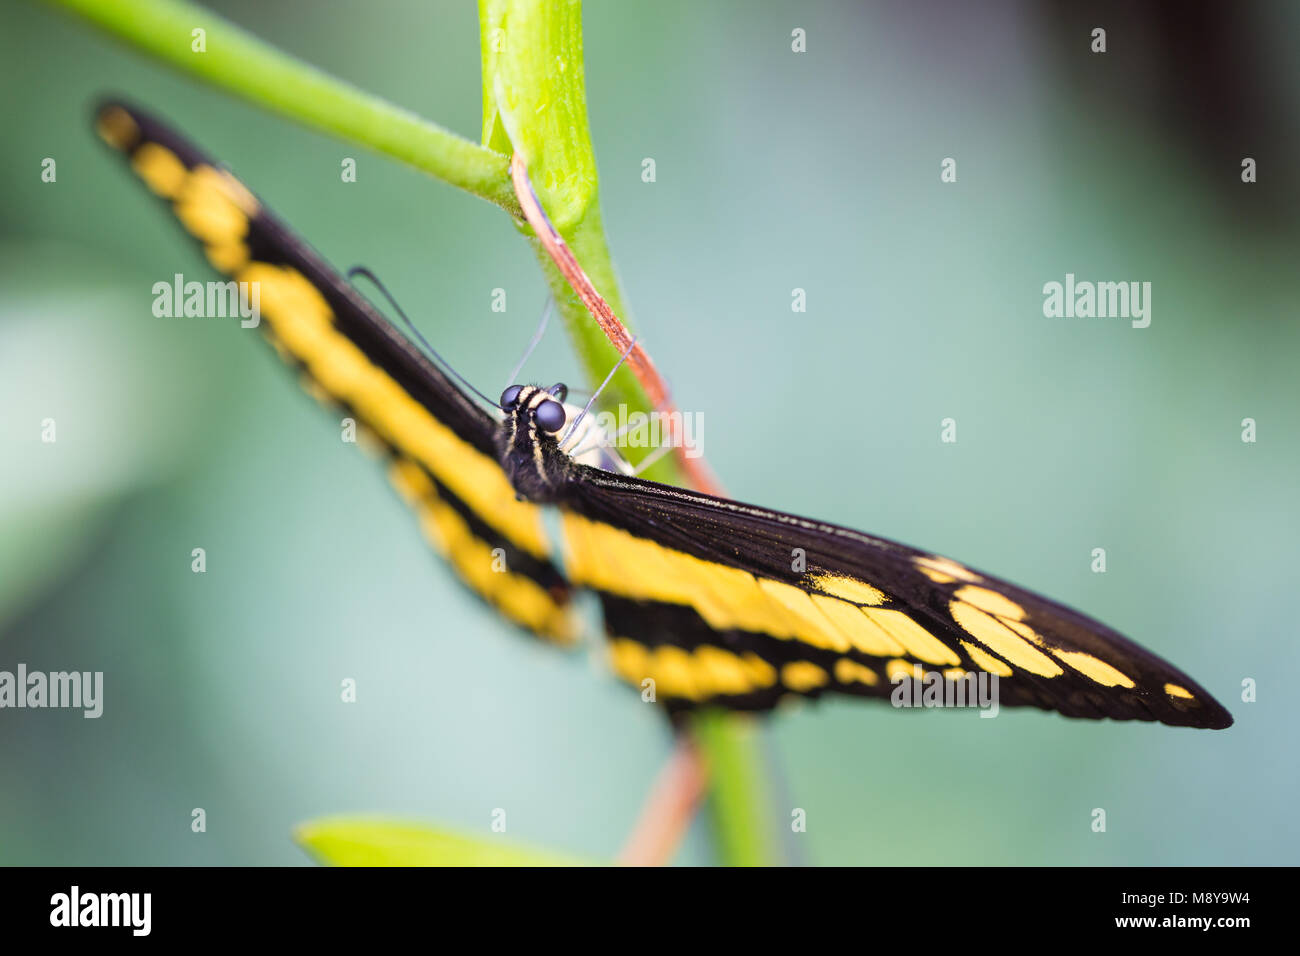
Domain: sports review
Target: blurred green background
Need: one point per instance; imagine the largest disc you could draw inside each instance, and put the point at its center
(775, 170)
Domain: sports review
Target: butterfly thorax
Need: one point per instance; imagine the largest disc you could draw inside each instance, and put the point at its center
(529, 453)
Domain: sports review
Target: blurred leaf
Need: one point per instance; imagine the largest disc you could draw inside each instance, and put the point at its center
(353, 841)
(75, 353)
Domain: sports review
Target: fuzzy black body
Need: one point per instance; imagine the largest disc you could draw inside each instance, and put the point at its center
(530, 455)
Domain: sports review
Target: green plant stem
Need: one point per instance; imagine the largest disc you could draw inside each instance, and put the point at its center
(534, 102)
(246, 66)
(739, 804)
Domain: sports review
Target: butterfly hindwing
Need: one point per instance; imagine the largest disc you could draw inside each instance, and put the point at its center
(438, 442)
(701, 592)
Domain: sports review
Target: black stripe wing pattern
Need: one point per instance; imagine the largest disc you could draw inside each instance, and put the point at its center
(438, 442)
(725, 603)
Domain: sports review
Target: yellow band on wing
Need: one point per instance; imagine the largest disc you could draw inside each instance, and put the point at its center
(617, 562)
(517, 596)
(215, 208)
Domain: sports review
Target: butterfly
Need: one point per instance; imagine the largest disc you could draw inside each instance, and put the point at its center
(706, 601)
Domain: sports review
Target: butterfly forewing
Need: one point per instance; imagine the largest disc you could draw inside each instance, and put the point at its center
(701, 592)
(439, 444)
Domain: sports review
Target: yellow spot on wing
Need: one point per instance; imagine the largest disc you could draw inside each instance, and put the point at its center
(918, 642)
(863, 633)
(898, 670)
(999, 609)
(850, 672)
(802, 618)
(410, 481)
(938, 577)
(724, 596)
(525, 601)
(116, 127)
(1023, 629)
(705, 673)
(227, 257)
(1173, 690)
(760, 671)
(996, 636)
(991, 602)
(723, 671)
(1095, 670)
(205, 207)
(850, 589)
(629, 660)
(803, 676)
(986, 661)
(160, 168)
(676, 676)
(945, 567)
(235, 191)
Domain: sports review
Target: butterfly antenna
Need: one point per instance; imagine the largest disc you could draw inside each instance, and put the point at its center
(537, 337)
(596, 394)
(363, 271)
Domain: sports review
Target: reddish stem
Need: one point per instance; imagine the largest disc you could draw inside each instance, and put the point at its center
(697, 472)
(668, 811)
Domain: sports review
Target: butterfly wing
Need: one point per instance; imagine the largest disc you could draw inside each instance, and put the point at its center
(439, 444)
(729, 604)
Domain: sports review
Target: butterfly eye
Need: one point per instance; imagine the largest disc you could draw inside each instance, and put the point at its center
(560, 391)
(550, 415)
(510, 395)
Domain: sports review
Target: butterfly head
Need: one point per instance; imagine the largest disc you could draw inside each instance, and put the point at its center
(543, 406)
(527, 440)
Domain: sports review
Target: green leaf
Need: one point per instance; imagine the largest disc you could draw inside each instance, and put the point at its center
(73, 353)
(362, 841)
